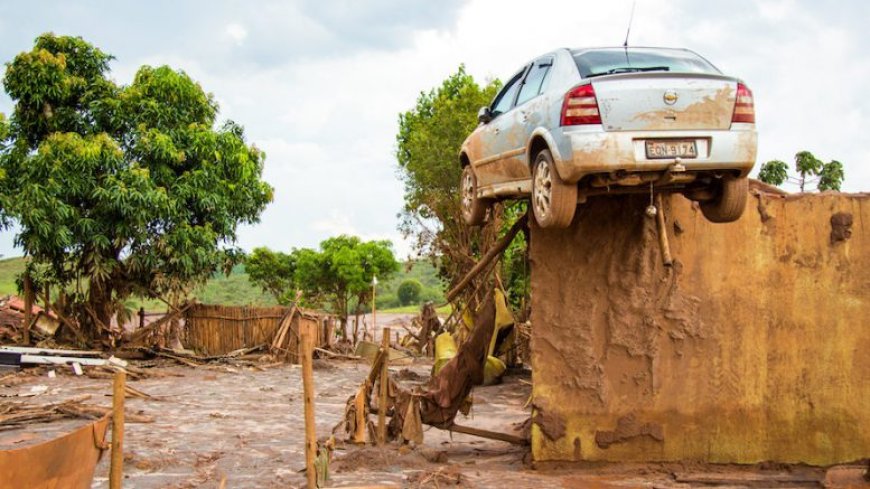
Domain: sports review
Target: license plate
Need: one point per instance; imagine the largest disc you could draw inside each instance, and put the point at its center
(671, 149)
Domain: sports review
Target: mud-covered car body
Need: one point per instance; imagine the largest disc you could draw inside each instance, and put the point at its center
(614, 120)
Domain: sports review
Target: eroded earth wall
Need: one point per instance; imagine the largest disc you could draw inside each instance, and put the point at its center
(754, 347)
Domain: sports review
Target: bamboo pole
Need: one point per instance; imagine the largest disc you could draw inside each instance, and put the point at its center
(382, 399)
(116, 469)
(306, 347)
(28, 307)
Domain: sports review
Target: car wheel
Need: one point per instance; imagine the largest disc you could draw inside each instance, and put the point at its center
(727, 206)
(553, 201)
(473, 208)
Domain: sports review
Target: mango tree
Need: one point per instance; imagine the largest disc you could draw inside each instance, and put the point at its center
(122, 189)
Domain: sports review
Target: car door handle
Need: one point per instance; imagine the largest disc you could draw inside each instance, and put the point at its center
(524, 117)
(496, 130)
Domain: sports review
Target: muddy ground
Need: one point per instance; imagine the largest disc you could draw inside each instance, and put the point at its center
(245, 424)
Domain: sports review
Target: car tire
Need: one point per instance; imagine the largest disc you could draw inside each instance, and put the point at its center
(553, 200)
(473, 208)
(730, 201)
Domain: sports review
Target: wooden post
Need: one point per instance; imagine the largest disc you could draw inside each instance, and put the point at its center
(306, 348)
(374, 309)
(141, 317)
(28, 307)
(47, 298)
(382, 399)
(116, 469)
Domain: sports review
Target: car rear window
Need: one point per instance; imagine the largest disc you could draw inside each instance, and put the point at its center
(597, 62)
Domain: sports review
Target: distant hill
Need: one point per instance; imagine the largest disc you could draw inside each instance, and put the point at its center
(236, 289)
(9, 269)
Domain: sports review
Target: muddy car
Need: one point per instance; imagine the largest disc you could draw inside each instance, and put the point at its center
(576, 123)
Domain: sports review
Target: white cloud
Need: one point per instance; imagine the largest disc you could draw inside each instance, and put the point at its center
(237, 33)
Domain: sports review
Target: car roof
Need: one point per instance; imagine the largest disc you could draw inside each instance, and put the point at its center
(603, 48)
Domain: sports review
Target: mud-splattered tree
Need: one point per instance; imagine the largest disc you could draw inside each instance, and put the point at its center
(430, 136)
(122, 189)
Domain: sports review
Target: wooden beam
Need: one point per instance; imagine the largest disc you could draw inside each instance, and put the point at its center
(492, 435)
(116, 468)
(469, 430)
(385, 379)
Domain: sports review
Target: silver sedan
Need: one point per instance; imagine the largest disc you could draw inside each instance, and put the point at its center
(576, 123)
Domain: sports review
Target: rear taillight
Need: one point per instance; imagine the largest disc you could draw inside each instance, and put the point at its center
(744, 109)
(580, 107)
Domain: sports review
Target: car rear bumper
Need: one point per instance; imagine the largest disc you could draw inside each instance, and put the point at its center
(584, 151)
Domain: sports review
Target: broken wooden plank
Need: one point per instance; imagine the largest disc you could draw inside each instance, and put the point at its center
(492, 435)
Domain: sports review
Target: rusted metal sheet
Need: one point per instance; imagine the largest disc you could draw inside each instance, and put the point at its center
(67, 462)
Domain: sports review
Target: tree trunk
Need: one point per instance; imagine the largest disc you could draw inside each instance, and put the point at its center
(97, 319)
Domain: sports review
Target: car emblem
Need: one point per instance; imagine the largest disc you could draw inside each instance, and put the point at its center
(670, 97)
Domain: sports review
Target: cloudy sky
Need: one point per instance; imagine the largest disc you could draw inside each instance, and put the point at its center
(318, 84)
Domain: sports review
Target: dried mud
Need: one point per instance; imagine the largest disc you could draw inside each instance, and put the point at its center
(747, 349)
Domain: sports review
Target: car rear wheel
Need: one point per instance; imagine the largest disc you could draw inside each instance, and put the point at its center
(473, 208)
(730, 201)
(553, 201)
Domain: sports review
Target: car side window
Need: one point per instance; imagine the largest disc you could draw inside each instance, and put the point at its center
(531, 87)
(505, 99)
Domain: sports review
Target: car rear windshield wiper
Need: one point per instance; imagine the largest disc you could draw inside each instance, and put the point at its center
(630, 69)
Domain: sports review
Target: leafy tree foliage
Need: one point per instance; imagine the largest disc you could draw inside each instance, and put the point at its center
(806, 165)
(336, 276)
(409, 292)
(774, 172)
(272, 271)
(827, 176)
(122, 189)
(831, 176)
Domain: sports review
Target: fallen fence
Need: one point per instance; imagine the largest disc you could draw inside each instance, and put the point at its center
(218, 330)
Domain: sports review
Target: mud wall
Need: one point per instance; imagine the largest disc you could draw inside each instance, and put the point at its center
(755, 346)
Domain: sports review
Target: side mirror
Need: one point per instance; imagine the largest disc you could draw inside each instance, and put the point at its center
(484, 115)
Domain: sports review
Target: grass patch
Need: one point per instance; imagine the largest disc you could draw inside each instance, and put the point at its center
(9, 269)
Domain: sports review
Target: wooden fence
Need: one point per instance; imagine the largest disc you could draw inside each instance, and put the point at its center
(218, 330)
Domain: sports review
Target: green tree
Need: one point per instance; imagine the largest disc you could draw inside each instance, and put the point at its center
(429, 139)
(409, 292)
(807, 165)
(273, 271)
(428, 143)
(122, 189)
(831, 176)
(338, 276)
(774, 172)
